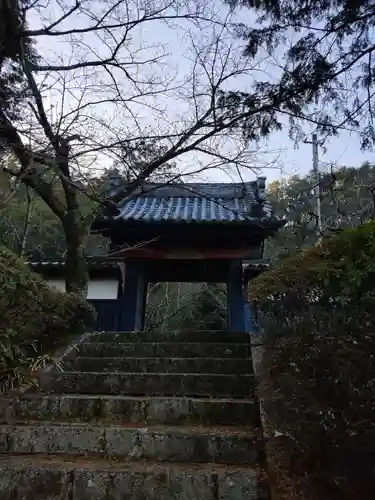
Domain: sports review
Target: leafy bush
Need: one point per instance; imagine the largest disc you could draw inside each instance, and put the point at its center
(34, 320)
(318, 315)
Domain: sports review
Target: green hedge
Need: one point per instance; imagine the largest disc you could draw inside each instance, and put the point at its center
(318, 315)
(34, 320)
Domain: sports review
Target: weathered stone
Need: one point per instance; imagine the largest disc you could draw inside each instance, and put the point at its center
(6, 408)
(28, 483)
(202, 411)
(74, 439)
(163, 365)
(166, 444)
(143, 485)
(27, 480)
(211, 336)
(156, 384)
(239, 485)
(164, 350)
(152, 410)
(93, 435)
(3, 442)
(36, 407)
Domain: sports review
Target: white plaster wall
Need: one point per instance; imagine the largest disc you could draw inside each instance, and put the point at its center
(97, 289)
(102, 289)
(58, 285)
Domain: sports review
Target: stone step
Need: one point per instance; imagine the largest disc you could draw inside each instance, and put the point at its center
(149, 384)
(33, 478)
(240, 366)
(126, 409)
(225, 445)
(163, 349)
(218, 336)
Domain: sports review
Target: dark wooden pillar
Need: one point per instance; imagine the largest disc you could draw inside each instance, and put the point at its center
(250, 322)
(133, 299)
(236, 304)
(250, 312)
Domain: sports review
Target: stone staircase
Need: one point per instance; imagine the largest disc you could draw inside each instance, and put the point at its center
(138, 416)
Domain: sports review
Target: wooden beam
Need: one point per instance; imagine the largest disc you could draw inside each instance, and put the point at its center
(133, 300)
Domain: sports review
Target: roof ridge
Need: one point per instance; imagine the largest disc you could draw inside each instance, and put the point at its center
(199, 190)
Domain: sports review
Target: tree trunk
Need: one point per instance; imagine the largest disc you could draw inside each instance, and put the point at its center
(23, 242)
(76, 273)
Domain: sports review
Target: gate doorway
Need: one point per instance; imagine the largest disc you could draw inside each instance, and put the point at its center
(186, 306)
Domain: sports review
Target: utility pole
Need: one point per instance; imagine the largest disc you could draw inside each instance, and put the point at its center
(317, 208)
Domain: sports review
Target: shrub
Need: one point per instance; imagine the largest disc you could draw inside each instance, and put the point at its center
(318, 315)
(35, 320)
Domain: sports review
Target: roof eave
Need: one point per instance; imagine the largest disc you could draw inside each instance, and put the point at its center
(108, 224)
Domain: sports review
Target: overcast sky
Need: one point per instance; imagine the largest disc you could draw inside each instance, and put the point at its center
(278, 150)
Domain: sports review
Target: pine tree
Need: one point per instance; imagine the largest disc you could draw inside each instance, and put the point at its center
(13, 47)
(322, 52)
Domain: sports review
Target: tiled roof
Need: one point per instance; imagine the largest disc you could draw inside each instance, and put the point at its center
(214, 203)
(92, 264)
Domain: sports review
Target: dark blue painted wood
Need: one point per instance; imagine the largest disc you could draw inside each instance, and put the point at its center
(107, 314)
(132, 301)
(236, 305)
(251, 325)
(140, 312)
(142, 303)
